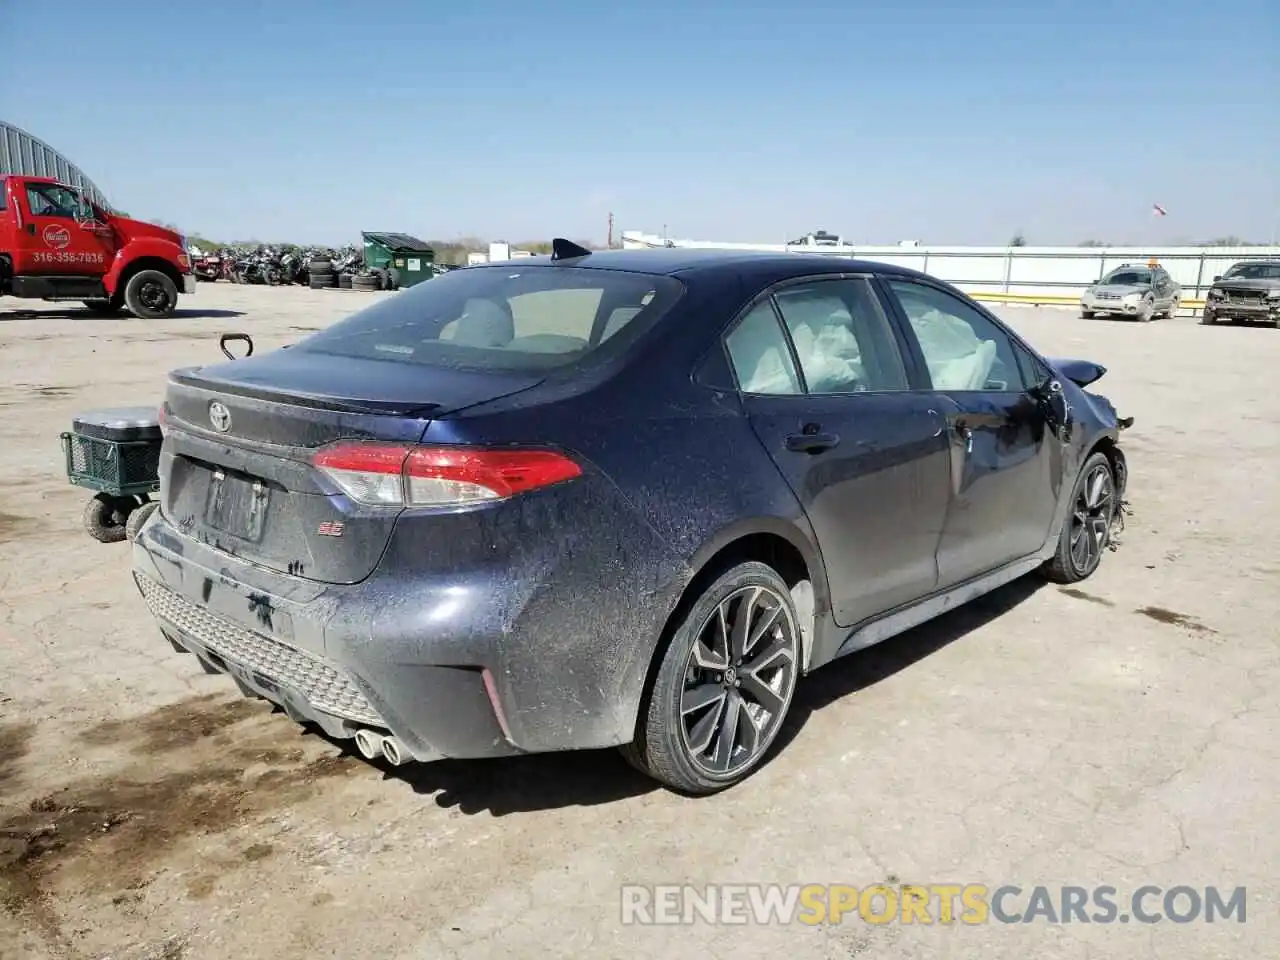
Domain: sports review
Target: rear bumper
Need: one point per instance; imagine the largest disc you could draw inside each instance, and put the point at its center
(461, 664)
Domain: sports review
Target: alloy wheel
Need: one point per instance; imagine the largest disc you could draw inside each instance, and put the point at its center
(1091, 517)
(738, 681)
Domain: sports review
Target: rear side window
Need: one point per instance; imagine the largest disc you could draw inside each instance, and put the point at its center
(533, 317)
(759, 354)
(4, 189)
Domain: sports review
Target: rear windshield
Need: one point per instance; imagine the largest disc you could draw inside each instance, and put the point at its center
(522, 317)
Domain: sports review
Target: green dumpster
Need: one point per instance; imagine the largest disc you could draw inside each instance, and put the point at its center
(408, 256)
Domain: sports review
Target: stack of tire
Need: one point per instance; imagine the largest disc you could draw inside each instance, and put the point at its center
(375, 279)
(320, 274)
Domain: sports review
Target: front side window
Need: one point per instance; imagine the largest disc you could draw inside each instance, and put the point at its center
(54, 200)
(964, 350)
(842, 339)
(759, 355)
(518, 318)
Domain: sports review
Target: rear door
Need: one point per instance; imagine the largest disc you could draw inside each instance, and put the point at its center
(827, 392)
(61, 235)
(1006, 463)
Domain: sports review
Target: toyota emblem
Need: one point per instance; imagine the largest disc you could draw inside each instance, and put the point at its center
(219, 416)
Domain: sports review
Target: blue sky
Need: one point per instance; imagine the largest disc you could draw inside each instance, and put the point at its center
(941, 121)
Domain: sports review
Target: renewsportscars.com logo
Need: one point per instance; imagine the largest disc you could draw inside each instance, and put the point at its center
(943, 903)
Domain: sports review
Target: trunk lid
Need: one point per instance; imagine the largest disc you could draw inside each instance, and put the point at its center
(236, 468)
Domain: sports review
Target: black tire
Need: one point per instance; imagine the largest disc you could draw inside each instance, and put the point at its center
(1148, 311)
(320, 280)
(1087, 314)
(137, 518)
(151, 295)
(693, 690)
(320, 266)
(106, 517)
(365, 282)
(344, 281)
(1207, 318)
(106, 308)
(1092, 521)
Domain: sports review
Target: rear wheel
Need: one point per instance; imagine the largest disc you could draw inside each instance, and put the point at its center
(724, 684)
(1087, 528)
(151, 295)
(106, 517)
(137, 518)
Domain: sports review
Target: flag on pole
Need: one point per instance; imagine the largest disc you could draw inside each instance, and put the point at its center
(1158, 210)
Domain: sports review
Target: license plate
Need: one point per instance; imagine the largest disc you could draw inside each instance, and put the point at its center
(237, 505)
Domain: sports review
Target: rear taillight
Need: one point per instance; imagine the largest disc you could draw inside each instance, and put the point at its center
(420, 476)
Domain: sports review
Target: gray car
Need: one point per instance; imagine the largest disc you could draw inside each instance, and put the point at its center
(1250, 290)
(1138, 290)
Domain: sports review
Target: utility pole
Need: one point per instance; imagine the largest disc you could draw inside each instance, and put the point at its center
(610, 229)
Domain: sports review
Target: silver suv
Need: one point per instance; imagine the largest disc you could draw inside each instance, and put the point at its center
(1139, 290)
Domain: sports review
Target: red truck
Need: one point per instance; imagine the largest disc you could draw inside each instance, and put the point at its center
(57, 245)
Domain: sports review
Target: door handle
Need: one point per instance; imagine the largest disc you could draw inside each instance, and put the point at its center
(965, 433)
(31, 229)
(811, 442)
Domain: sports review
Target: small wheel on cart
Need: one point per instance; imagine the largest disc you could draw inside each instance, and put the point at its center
(138, 518)
(105, 517)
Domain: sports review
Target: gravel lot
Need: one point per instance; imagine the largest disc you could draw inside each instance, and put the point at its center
(1126, 733)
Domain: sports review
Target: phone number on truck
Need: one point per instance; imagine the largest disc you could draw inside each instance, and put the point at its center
(68, 256)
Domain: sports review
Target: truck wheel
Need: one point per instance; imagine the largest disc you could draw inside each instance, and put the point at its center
(104, 307)
(106, 517)
(150, 295)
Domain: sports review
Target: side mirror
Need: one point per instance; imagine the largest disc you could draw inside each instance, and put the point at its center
(1217, 278)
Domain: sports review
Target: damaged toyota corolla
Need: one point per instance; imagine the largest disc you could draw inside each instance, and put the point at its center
(622, 498)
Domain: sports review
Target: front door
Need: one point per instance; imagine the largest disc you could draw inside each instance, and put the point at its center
(1006, 463)
(826, 391)
(61, 235)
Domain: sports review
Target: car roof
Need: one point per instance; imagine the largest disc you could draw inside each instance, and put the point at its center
(685, 262)
(1263, 261)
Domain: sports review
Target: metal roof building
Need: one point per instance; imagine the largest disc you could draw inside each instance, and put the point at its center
(22, 153)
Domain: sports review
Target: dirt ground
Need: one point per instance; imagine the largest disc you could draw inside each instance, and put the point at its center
(1123, 733)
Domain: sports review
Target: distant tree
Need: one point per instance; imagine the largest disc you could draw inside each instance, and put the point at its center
(1094, 243)
(1018, 240)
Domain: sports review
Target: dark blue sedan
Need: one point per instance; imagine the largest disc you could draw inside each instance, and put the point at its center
(613, 499)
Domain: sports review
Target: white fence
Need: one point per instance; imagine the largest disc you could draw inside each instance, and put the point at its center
(1033, 274)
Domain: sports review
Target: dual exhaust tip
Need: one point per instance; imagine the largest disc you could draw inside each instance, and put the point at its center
(372, 744)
